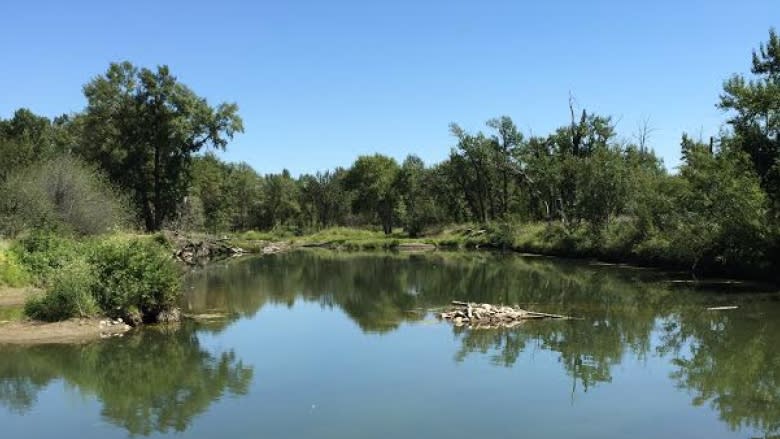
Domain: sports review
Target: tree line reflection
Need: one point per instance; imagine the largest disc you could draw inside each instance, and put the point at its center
(149, 381)
(726, 359)
(160, 380)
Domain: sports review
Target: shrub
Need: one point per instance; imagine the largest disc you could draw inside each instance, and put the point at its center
(11, 271)
(134, 275)
(61, 194)
(43, 253)
(69, 295)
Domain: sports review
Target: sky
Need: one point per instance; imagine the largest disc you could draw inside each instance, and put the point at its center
(320, 82)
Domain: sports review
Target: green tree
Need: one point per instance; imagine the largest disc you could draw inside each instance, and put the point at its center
(721, 209)
(413, 183)
(324, 199)
(24, 138)
(508, 143)
(279, 204)
(373, 180)
(755, 107)
(143, 127)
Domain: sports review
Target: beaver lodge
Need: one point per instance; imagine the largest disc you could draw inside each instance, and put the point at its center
(485, 316)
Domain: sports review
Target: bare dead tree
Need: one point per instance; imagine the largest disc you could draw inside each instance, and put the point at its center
(644, 130)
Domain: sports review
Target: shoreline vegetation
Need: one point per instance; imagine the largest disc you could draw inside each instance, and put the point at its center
(85, 197)
(50, 294)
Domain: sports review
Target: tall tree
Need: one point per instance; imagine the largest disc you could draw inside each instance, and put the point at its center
(507, 142)
(24, 138)
(413, 185)
(143, 127)
(373, 179)
(755, 104)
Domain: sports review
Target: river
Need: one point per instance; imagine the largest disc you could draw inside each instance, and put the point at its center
(320, 344)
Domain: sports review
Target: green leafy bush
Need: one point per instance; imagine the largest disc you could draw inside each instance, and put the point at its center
(70, 295)
(44, 253)
(11, 271)
(134, 275)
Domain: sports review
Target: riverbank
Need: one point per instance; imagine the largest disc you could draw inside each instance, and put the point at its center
(75, 280)
(618, 243)
(30, 332)
(15, 328)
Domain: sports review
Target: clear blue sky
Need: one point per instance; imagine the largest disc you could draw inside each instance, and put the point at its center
(320, 82)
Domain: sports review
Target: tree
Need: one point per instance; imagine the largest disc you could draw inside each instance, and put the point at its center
(24, 138)
(508, 143)
(209, 184)
(721, 209)
(279, 203)
(474, 170)
(143, 127)
(755, 104)
(373, 180)
(324, 199)
(413, 184)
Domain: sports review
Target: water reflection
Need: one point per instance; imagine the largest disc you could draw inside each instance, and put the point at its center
(158, 382)
(151, 381)
(727, 359)
(730, 361)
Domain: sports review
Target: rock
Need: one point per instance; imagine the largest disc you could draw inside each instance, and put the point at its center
(169, 316)
(133, 318)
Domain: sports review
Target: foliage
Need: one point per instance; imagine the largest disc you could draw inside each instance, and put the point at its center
(417, 203)
(117, 275)
(44, 253)
(143, 126)
(134, 274)
(579, 190)
(754, 106)
(373, 179)
(69, 295)
(62, 194)
(12, 273)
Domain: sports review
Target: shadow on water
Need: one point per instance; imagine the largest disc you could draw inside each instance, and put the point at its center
(155, 380)
(727, 359)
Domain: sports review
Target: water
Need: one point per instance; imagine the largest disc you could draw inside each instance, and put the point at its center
(332, 345)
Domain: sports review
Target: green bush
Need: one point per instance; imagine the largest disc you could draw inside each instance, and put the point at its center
(132, 275)
(44, 253)
(70, 295)
(11, 271)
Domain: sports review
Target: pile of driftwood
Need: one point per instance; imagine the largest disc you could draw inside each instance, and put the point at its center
(485, 316)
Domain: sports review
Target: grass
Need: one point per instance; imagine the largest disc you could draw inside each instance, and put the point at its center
(618, 241)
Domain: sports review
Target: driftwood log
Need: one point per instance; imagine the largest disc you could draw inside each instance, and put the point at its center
(484, 315)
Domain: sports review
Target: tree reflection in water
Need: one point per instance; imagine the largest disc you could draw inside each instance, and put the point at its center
(726, 359)
(154, 380)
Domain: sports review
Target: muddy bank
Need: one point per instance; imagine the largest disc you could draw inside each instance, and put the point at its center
(15, 296)
(69, 331)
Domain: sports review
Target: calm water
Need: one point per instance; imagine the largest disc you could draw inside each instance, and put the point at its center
(333, 345)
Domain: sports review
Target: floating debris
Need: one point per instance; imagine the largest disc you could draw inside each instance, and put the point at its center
(486, 316)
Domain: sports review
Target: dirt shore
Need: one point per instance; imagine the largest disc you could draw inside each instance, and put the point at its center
(69, 331)
(15, 296)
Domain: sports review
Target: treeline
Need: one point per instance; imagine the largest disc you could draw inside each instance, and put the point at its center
(141, 154)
